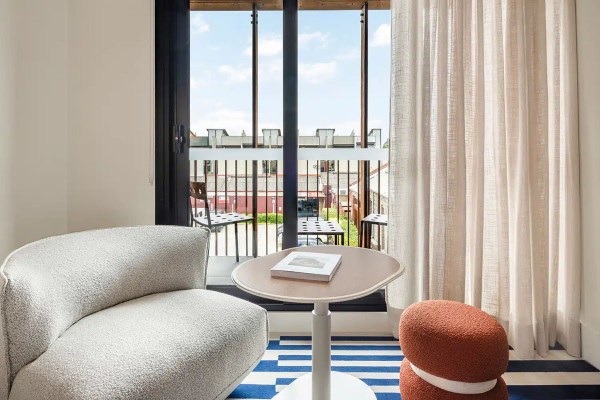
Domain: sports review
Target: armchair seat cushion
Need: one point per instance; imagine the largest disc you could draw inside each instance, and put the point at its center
(186, 344)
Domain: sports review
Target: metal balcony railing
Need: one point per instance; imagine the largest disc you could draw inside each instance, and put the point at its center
(329, 188)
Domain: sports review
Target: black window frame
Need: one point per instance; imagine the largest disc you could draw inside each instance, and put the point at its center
(172, 108)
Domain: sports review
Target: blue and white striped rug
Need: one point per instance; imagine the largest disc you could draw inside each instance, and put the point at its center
(376, 360)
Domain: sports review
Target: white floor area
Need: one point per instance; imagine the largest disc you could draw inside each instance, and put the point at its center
(220, 268)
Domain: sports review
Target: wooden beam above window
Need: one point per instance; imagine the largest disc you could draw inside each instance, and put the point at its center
(270, 5)
(343, 5)
(233, 5)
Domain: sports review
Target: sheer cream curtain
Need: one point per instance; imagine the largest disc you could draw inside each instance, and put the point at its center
(484, 184)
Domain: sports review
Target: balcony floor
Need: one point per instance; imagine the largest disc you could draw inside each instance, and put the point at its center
(220, 268)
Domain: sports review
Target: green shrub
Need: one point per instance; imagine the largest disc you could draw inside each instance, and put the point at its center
(264, 218)
(350, 230)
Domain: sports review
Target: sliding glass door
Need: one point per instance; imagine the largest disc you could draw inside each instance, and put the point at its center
(265, 106)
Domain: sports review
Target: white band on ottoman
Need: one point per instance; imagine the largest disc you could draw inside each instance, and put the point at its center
(455, 386)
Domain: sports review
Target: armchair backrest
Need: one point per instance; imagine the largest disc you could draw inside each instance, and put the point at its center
(49, 285)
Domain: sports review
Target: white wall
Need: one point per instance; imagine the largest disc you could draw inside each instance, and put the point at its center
(7, 123)
(588, 32)
(76, 116)
(33, 112)
(41, 112)
(111, 118)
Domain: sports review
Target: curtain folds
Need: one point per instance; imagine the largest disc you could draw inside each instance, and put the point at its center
(484, 185)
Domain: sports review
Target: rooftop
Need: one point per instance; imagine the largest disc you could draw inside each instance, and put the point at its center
(273, 138)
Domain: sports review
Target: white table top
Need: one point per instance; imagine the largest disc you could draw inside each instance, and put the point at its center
(361, 273)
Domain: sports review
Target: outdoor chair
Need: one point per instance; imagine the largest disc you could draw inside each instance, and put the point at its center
(366, 227)
(212, 220)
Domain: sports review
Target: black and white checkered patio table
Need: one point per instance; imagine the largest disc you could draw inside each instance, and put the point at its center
(365, 227)
(320, 227)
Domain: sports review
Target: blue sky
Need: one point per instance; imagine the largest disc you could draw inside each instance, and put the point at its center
(329, 71)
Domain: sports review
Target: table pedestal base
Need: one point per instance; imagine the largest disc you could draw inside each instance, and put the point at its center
(343, 387)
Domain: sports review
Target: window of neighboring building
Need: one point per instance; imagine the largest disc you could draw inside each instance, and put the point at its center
(269, 167)
(327, 166)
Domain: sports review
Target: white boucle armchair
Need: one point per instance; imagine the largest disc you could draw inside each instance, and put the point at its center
(122, 314)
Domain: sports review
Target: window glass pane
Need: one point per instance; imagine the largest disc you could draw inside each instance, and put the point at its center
(329, 71)
(379, 73)
(220, 72)
(270, 71)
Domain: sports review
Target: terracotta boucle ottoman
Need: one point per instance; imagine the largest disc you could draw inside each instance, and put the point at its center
(452, 351)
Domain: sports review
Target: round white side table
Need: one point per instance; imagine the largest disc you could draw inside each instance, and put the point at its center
(361, 273)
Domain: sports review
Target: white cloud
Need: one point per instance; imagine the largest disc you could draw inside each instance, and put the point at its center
(269, 45)
(317, 37)
(235, 74)
(317, 72)
(197, 82)
(351, 54)
(342, 126)
(198, 24)
(376, 123)
(270, 125)
(273, 67)
(270, 70)
(382, 36)
(234, 121)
